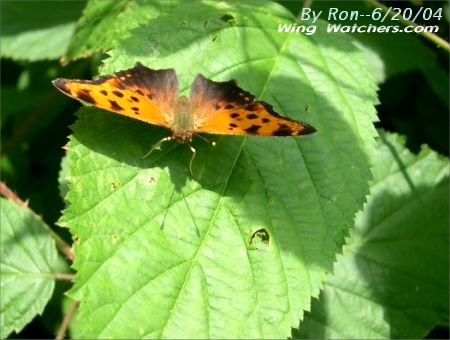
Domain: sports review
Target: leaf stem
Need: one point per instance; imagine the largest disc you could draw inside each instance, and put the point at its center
(67, 318)
(60, 243)
(428, 35)
(63, 276)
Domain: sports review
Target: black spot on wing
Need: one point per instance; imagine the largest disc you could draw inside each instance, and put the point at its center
(104, 92)
(283, 130)
(118, 93)
(133, 98)
(252, 116)
(135, 109)
(115, 106)
(253, 129)
(265, 120)
(85, 95)
(139, 92)
(234, 115)
(232, 125)
(228, 107)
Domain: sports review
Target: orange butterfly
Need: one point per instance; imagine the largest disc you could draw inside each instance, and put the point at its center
(212, 107)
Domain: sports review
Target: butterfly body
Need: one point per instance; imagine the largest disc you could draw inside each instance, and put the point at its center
(212, 107)
(183, 122)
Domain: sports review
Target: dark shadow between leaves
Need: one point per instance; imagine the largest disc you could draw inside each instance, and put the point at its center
(20, 16)
(403, 271)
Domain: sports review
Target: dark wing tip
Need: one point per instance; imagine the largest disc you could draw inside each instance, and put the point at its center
(139, 66)
(308, 129)
(227, 91)
(60, 84)
(226, 82)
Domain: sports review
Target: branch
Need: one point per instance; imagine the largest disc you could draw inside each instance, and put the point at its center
(63, 276)
(67, 318)
(9, 194)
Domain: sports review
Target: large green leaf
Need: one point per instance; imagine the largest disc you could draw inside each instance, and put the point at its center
(238, 249)
(27, 258)
(37, 30)
(103, 21)
(392, 281)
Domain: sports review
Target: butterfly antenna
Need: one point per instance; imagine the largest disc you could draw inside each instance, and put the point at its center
(167, 210)
(190, 212)
(187, 206)
(210, 142)
(157, 145)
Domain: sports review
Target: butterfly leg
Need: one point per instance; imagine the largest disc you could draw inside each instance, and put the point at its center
(210, 142)
(192, 158)
(157, 145)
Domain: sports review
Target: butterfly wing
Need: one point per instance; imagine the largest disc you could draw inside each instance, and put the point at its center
(224, 108)
(140, 93)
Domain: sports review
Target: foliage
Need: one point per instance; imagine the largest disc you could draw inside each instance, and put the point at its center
(28, 258)
(247, 244)
(393, 269)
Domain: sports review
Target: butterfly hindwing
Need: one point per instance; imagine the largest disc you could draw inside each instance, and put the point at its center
(225, 108)
(140, 93)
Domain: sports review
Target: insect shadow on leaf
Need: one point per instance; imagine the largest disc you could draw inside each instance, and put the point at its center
(157, 146)
(187, 206)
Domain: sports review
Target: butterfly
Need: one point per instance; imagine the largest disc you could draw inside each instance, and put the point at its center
(212, 107)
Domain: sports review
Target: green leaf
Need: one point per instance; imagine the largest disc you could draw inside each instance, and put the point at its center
(238, 249)
(37, 30)
(104, 21)
(392, 280)
(28, 256)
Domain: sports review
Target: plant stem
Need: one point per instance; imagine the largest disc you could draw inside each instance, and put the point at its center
(65, 323)
(63, 276)
(9, 194)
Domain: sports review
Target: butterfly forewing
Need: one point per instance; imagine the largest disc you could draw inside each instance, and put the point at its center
(140, 93)
(213, 107)
(225, 108)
